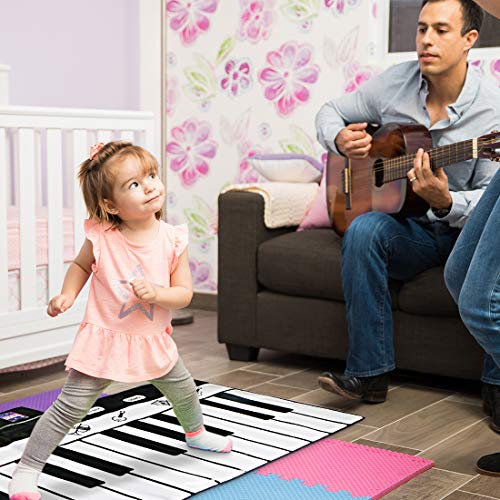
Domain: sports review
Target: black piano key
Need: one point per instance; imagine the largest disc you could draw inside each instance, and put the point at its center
(172, 420)
(90, 461)
(145, 443)
(222, 406)
(155, 429)
(73, 477)
(260, 404)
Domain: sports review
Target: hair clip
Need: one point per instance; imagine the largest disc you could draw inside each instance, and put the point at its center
(95, 149)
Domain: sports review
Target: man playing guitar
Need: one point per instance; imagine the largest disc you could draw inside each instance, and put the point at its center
(449, 97)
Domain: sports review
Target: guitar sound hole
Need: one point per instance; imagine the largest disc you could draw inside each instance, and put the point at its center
(378, 172)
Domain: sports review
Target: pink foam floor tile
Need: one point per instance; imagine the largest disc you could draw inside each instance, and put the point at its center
(340, 465)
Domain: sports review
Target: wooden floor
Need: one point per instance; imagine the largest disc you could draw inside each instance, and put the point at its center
(441, 420)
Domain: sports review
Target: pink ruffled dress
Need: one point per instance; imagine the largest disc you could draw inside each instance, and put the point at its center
(121, 337)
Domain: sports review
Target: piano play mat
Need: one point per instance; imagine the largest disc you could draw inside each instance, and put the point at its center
(131, 446)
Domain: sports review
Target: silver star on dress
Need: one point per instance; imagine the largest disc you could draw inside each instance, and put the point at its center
(122, 287)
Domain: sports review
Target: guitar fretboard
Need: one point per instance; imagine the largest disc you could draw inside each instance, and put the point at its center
(397, 168)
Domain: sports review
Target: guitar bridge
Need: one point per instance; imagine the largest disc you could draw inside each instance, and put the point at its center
(346, 182)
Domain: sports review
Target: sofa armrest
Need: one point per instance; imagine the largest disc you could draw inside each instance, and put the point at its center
(241, 231)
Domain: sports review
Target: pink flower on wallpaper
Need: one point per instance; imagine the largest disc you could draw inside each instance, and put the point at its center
(237, 78)
(256, 20)
(495, 69)
(189, 17)
(289, 73)
(172, 94)
(246, 173)
(356, 75)
(339, 6)
(201, 272)
(189, 150)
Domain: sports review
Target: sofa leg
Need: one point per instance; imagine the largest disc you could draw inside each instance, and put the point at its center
(242, 353)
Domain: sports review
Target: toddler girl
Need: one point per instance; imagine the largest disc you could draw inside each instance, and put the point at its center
(140, 272)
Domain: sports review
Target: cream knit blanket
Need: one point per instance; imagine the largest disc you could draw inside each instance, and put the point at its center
(285, 203)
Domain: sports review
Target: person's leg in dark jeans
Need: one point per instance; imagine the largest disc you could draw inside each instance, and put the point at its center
(377, 247)
(472, 275)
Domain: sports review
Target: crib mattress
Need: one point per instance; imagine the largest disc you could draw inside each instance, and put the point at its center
(13, 235)
(41, 287)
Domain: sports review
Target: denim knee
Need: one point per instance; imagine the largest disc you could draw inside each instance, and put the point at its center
(477, 310)
(450, 278)
(367, 228)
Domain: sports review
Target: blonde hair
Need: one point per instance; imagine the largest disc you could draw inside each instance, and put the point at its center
(96, 177)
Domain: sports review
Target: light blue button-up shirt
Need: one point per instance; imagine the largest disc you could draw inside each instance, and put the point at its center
(399, 94)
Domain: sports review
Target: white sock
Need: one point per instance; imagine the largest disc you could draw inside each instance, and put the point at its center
(204, 440)
(24, 480)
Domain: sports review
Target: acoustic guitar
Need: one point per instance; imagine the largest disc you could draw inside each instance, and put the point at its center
(379, 183)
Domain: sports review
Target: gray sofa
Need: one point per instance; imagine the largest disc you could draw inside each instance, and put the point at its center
(281, 289)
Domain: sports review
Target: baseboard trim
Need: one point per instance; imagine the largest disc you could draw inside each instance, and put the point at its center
(204, 301)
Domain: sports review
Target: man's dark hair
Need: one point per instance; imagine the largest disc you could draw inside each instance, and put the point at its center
(472, 15)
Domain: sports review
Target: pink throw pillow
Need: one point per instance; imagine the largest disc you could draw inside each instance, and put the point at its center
(317, 215)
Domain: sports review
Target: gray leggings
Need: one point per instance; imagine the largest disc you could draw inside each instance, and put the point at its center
(79, 395)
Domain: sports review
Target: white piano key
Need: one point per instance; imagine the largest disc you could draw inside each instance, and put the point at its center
(256, 449)
(127, 484)
(270, 425)
(234, 458)
(181, 462)
(242, 445)
(170, 477)
(4, 484)
(4, 488)
(12, 451)
(246, 432)
(72, 490)
(258, 435)
(291, 417)
(310, 410)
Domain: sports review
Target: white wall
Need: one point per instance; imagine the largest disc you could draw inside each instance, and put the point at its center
(67, 53)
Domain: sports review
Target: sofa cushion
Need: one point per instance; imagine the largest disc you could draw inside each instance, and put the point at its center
(426, 294)
(305, 264)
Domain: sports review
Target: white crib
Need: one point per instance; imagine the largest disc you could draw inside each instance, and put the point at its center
(41, 218)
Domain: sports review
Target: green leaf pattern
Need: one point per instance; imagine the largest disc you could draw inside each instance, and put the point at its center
(201, 221)
(300, 11)
(298, 142)
(202, 84)
(225, 49)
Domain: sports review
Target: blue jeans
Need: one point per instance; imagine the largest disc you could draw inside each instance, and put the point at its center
(377, 247)
(472, 275)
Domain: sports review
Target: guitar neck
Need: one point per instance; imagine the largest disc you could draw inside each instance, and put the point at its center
(397, 168)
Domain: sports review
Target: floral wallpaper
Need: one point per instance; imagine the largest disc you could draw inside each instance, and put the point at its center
(246, 77)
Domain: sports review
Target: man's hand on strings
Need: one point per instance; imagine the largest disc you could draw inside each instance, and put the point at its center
(429, 185)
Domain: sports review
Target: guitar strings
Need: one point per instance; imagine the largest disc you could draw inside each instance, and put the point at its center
(439, 153)
(436, 154)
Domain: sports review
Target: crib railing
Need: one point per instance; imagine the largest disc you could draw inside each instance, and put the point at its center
(40, 151)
